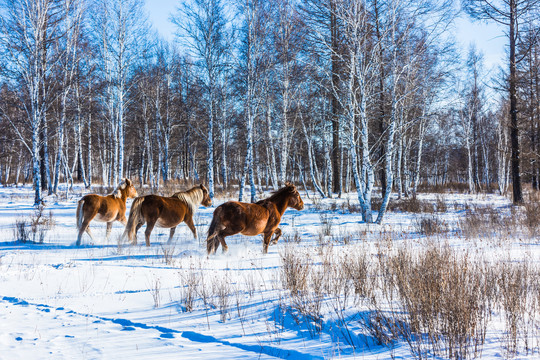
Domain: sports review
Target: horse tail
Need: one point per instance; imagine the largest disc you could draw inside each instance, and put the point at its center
(80, 215)
(211, 242)
(134, 219)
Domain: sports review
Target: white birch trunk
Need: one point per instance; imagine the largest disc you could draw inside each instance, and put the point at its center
(419, 156)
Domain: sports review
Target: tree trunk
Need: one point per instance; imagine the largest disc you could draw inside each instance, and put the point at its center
(514, 130)
(335, 149)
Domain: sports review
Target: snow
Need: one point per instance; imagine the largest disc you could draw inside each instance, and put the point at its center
(106, 300)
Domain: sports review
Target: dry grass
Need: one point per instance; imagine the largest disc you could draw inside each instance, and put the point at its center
(295, 270)
(21, 232)
(532, 214)
(410, 205)
(222, 288)
(430, 225)
(35, 228)
(440, 204)
(489, 223)
(518, 297)
(444, 300)
(155, 290)
(189, 288)
(456, 187)
(437, 300)
(168, 253)
(326, 223)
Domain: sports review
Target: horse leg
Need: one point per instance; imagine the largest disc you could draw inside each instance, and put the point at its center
(84, 227)
(189, 223)
(266, 241)
(90, 234)
(173, 229)
(134, 242)
(277, 234)
(149, 228)
(224, 246)
(108, 231)
(211, 245)
(81, 231)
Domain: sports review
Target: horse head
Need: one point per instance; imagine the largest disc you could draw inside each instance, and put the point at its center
(206, 201)
(295, 201)
(126, 187)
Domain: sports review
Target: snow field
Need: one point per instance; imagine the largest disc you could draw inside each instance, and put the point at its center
(107, 300)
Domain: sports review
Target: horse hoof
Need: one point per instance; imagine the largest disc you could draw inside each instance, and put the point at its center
(225, 249)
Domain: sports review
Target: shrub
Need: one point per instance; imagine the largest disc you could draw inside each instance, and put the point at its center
(446, 298)
(326, 224)
(410, 205)
(532, 215)
(189, 288)
(35, 228)
(430, 225)
(21, 231)
(440, 204)
(294, 272)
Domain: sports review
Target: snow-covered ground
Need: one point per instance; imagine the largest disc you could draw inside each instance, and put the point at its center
(104, 300)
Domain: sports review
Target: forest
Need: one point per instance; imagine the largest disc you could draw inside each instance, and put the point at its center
(397, 167)
(370, 97)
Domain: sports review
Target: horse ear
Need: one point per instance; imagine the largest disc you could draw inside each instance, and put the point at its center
(290, 184)
(128, 182)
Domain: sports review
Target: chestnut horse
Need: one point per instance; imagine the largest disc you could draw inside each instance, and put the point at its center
(108, 208)
(263, 217)
(165, 212)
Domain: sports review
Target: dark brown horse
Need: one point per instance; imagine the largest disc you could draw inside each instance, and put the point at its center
(263, 217)
(108, 208)
(165, 212)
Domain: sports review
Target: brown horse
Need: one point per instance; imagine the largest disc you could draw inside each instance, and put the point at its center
(263, 217)
(108, 208)
(165, 212)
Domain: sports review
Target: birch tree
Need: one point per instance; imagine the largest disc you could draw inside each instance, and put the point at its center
(251, 61)
(120, 27)
(471, 114)
(29, 30)
(69, 47)
(361, 66)
(411, 29)
(203, 25)
(286, 34)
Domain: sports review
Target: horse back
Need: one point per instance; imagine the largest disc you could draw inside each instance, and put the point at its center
(250, 219)
(237, 209)
(106, 208)
(167, 211)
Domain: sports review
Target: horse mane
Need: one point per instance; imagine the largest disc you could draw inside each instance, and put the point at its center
(278, 194)
(192, 198)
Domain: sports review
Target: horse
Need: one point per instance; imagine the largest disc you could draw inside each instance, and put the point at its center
(165, 212)
(108, 208)
(262, 217)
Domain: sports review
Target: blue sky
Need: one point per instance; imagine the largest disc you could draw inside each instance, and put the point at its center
(159, 12)
(488, 37)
